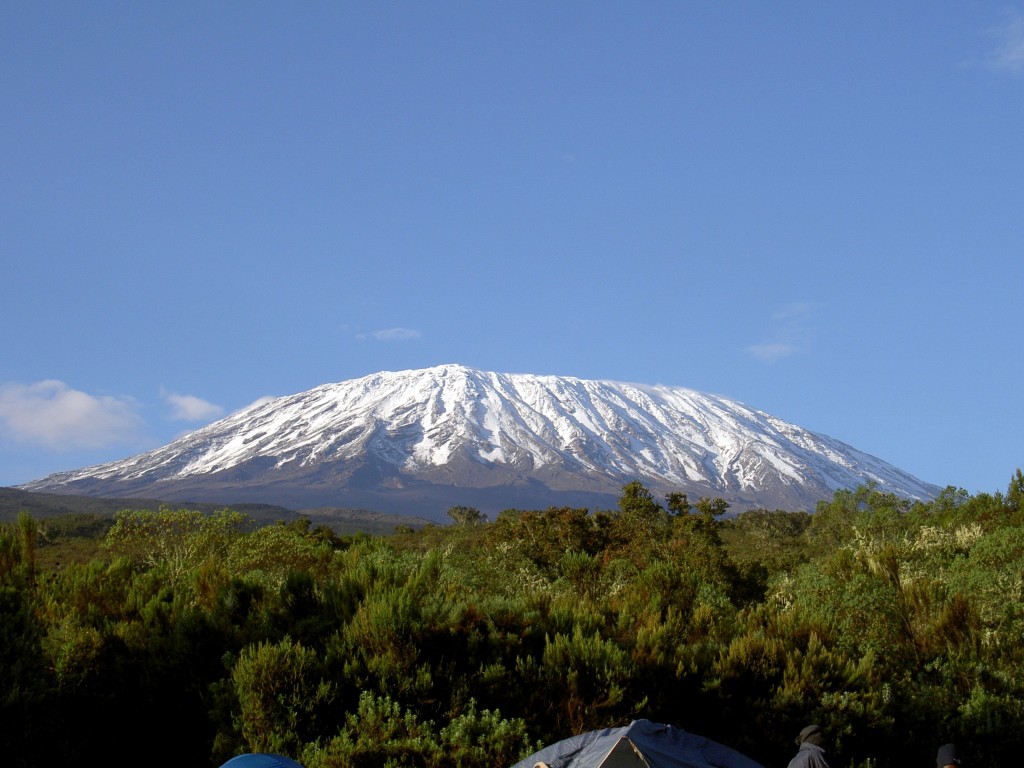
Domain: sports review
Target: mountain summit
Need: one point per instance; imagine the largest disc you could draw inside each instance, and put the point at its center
(420, 441)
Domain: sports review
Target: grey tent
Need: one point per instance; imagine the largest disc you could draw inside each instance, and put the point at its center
(641, 744)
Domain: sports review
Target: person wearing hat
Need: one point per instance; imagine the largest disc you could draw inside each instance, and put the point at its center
(812, 749)
(946, 758)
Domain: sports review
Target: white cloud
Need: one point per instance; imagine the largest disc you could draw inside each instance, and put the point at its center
(769, 353)
(394, 334)
(1009, 54)
(190, 408)
(789, 333)
(53, 415)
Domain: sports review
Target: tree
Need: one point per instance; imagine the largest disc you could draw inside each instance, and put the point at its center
(24, 679)
(280, 693)
(18, 550)
(641, 520)
(28, 535)
(584, 677)
(636, 501)
(677, 502)
(1015, 492)
(177, 540)
(705, 519)
(466, 516)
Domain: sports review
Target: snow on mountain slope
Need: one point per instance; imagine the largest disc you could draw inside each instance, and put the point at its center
(401, 434)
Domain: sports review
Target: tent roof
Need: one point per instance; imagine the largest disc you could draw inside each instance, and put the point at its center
(662, 746)
(260, 760)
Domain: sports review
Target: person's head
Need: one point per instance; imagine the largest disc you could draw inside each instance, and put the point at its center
(812, 734)
(946, 758)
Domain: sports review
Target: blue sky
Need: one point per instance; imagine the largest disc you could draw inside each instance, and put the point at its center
(814, 208)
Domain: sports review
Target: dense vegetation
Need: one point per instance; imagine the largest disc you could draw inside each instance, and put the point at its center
(184, 638)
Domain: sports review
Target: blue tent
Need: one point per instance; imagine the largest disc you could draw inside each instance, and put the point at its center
(260, 760)
(641, 744)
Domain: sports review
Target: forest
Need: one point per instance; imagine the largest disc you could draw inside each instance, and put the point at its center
(182, 637)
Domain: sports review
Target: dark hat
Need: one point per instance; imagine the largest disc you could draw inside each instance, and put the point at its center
(946, 756)
(812, 734)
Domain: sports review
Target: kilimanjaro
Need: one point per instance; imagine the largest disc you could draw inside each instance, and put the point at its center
(418, 442)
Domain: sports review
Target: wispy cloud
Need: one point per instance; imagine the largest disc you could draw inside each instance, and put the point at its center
(789, 333)
(795, 310)
(1008, 55)
(53, 415)
(259, 401)
(392, 334)
(190, 408)
(769, 353)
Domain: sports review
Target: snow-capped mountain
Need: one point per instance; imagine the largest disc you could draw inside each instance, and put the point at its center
(421, 441)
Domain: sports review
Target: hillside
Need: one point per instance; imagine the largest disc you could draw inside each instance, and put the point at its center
(44, 506)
